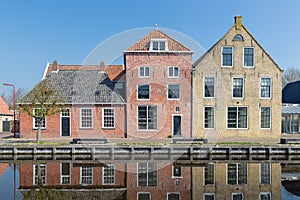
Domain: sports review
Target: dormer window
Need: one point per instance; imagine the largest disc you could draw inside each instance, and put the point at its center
(158, 44)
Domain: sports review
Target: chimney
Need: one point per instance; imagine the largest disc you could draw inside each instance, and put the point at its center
(102, 66)
(55, 65)
(238, 22)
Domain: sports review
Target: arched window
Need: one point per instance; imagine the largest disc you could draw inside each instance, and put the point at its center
(238, 37)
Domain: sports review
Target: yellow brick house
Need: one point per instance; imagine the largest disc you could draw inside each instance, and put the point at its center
(237, 90)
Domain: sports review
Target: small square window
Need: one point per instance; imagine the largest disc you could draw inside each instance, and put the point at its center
(144, 72)
(173, 91)
(144, 92)
(173, 72)
(177, 171)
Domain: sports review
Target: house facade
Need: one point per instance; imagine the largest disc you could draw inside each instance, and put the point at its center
(236, 90)
(158, 87)
(6, 116)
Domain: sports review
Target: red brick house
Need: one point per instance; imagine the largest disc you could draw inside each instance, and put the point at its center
(6, 116)
(96, 106)
(158, 87)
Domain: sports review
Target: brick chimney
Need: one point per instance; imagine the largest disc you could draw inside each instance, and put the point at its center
(238, 22)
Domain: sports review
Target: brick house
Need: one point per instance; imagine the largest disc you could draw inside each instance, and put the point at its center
(96, 107)
(6, 116)
(158, 87)
(237, 90)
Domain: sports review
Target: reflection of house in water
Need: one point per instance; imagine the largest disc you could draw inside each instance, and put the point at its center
(142, 180)
(76, 180)
(291, 178)
(3, 168)
(158, 181)
(237, 181)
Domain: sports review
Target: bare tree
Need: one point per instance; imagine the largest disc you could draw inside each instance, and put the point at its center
(290, 75)
(9, 99)
(42, 101)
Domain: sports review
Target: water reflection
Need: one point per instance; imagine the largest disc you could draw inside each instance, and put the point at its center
(144, 180)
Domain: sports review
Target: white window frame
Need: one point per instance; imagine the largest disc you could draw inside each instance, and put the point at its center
(174, 176)
(114, 174)
(65, 176)
(34, 121)
(173, 193)
(231, 56)
(244, 57)
(137, 92)
(237, 117)
(214, 95)
(137, 194)
(137, 174)
(214, 175)
(92, 118)
(214, 118)
(209, 193)
(261, 174)
(236, 193)
(237, 174)
(103, 118)
(261, 88)
(42, 177)
(144, 75)
(173, 69)
(265, 193)
(261, 117)
(159, 40)
(91, 176)
(147, 117)
(243, 88)
(179, 92)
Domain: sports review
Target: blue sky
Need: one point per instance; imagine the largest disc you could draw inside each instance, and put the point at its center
(34, 31)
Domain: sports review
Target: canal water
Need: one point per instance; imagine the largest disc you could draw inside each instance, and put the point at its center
(144, 179)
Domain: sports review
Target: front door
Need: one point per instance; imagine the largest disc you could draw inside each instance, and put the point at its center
(65, 122)
(176, 126)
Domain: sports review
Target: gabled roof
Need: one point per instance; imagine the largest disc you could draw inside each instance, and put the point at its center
(144, 43)
(241, 26)
(291, 93)
(4, 109)
(84, 87)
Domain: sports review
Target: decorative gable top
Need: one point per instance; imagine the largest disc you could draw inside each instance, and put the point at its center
(146, 43)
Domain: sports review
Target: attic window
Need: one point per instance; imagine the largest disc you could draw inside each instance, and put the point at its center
(238, 37)
(158, 44)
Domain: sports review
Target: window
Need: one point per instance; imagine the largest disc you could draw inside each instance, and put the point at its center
(42, 169)
(159, 44)
(108, 174)
(209, 87)
(265, 196)
(173, 91)
(108, 118)
(86, 115)
(265, 117)
(86, 175)
(147, 174)
(209, 174)
(227, 56)
(144, 92)
(143, 196)
(209, 196)
(290, 124)
(237, 88)
(173, 196)
(265, 173)
(237, 117)
(65, 173)
(147, 117)
(248, 57)
(144, 72)
(237, 173)
(209, 117)
(265, 88)
(238, 37)
(237, 196)
(36, 122)
(176, 171)
(173, 72)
